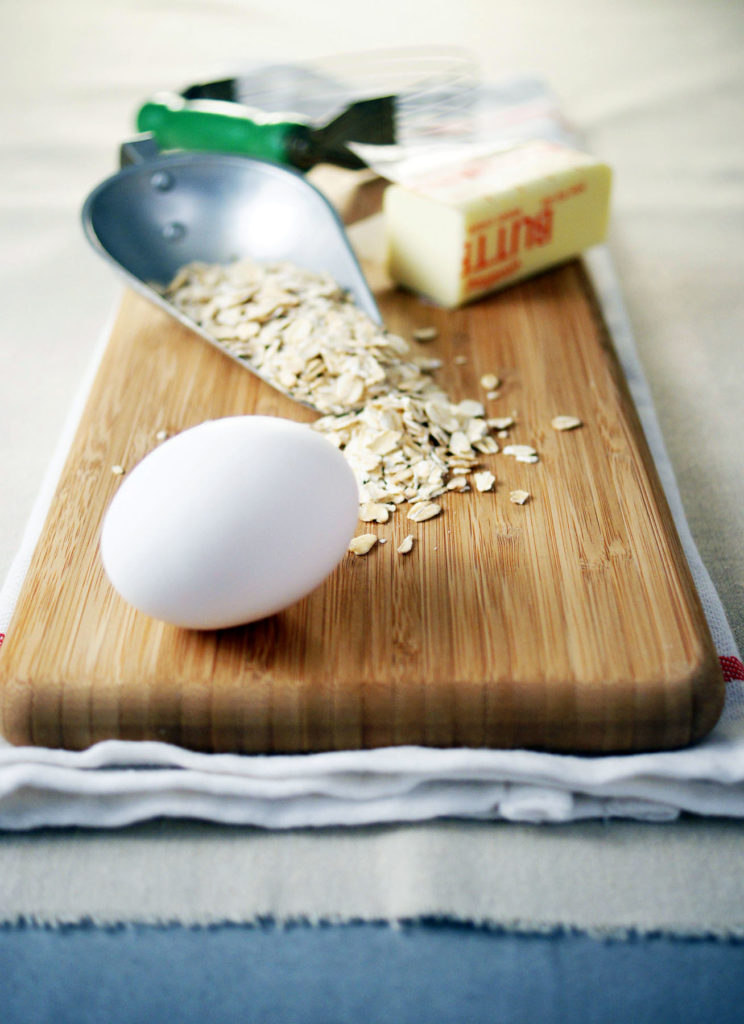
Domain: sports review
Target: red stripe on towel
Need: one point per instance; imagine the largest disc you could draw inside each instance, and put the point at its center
(732, 668)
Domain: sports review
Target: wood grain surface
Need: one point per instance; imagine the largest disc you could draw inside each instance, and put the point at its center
(569, 623)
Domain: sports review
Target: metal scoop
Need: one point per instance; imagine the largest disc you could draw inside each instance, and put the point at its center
(161, 212)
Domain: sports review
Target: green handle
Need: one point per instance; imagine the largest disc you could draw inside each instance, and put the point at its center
(216, 125)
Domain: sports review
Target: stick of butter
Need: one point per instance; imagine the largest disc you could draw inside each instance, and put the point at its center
(458, 231)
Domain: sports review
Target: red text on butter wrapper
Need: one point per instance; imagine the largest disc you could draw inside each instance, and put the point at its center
(494, 247)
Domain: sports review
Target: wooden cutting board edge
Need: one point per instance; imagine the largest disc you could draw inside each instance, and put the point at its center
(704, 679)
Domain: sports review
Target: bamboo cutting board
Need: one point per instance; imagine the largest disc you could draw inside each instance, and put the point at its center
(569, 623)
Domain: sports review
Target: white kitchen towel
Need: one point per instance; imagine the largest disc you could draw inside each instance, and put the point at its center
(115, 783)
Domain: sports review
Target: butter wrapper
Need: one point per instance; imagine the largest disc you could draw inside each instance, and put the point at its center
(458, 231)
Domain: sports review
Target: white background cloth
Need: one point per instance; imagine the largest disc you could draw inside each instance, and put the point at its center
(657, 90)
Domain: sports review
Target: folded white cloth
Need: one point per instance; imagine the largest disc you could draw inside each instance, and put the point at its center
(116, 783)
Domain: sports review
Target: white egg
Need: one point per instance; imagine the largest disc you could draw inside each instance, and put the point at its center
(229, 521)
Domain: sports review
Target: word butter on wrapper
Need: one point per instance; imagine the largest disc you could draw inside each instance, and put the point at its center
(456, 232)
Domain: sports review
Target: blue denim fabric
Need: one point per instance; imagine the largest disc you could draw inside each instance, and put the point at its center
(425, 973)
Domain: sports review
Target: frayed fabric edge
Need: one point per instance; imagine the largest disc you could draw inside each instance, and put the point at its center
(525, 927)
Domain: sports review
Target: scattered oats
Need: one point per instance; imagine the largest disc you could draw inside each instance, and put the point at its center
(488, 446)
(502, 433)
(489, 381)
(374, 512)
(460, 360)
(477, 430)
(427, 363)
(493, 394)
(382, 540)
(425, 333)
(519, 497)
(469, 407)
(501, 422)
(484, 481)
(400, 433)
(520, 452)
(405, 545)
(565, 422)
(297, 329)
(459, 444)
(118, 470)
(363, 543)
(423, 510)
(162, 435)
(458, 483)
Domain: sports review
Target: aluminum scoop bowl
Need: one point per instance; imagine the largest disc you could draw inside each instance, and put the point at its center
(159, 213)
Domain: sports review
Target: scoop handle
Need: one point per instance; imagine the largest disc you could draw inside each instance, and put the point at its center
(224, 127)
